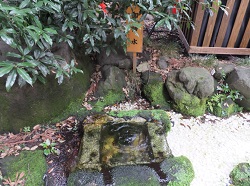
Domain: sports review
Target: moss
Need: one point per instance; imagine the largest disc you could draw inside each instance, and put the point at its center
(240, 175)
(110, 98)
(159, 115)
(191, 105)
(179, 170)
(156, 93)
(32, 163)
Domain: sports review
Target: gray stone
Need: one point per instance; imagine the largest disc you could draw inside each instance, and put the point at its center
(143, 67)
(135, 176)
(85, 178)
(197, 81)
(163, 62)
(113, 79)
(184, 102)
(223, 69)
(119, 59)
(239, 79)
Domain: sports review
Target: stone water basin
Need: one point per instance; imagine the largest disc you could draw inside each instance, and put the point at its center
(129, 148)
(109, 142)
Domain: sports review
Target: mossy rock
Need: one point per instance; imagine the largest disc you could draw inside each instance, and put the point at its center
(135, 176)
(179, 171)
(240, 175)
(149, 115)
(84, 178)
(31, 163)
(28, 106)
(190, 105)
(155, 91)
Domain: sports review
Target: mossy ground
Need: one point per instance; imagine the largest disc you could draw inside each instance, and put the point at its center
(32, 163)
(110, 98)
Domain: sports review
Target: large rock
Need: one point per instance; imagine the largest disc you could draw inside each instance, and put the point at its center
(239, 79)
(189, 89)
(223, 69)
(179, 171)
(154, 90)
(28, 106)
(135, 175)
(119, 59)
(197, 81)
(110, 88)
(85, 178)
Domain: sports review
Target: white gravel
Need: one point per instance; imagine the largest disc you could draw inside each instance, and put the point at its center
(213, 145)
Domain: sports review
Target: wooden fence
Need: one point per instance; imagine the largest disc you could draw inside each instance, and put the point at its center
(220, 33)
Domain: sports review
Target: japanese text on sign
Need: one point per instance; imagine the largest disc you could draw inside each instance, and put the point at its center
(136, 40)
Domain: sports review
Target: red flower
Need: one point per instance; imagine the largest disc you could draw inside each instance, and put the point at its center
(103, 7)
(174, 10)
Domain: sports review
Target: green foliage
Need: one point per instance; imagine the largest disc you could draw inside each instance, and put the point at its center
(219, 100)
(32, 27)
(49, 147)
(26, 129)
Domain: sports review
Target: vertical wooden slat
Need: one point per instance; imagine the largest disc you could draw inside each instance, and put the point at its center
(238, 22)
(224, 23)
(210, 26)
(246, 36)
(199, 14)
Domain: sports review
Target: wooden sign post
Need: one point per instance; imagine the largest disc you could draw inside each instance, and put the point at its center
(135, 42)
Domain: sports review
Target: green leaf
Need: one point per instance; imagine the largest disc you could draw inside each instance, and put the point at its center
(38, 23)
(11, 80)
(27, 64)
(26, 51)
(34, 35)
(12, 54)
(6, 70)
(48, 39)
(50, 31)
(21, 81)
(24, 4)
(8, 40)
(24, 75)
(41, 79)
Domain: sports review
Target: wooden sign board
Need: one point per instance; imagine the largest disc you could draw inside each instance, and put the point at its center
(135, 42)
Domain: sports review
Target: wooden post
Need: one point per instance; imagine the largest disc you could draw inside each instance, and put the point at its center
(134, 62)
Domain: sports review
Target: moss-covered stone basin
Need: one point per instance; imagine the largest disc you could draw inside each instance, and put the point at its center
(111, 142)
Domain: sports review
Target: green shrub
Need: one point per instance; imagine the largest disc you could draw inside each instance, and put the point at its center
(32, 27)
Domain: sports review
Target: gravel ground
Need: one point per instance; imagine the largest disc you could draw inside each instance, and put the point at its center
(213, 145)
